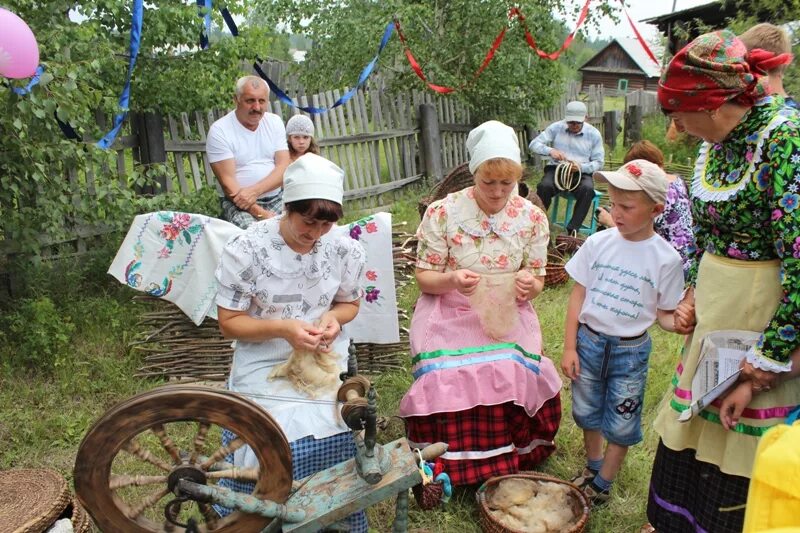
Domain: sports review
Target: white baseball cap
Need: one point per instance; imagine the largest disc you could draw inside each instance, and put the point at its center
(492, 140)
(576, 112)
(312, 177)
(638, 175)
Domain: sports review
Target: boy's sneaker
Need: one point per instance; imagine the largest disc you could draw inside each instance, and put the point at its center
(595, 495)
(584, 478)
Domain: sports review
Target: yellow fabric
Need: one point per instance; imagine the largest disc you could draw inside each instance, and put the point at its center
(773, 502)
(730, 294)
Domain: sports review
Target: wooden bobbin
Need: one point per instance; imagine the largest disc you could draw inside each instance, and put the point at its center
(353, 392)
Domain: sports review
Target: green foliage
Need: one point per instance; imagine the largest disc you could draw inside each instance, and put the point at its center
(683, 150)
(40, 333)
(86, 63)
(450, 40)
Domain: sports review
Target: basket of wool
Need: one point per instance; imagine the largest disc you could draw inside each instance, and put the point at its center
(530, 502)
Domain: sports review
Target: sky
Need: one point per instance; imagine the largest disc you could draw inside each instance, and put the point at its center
(638, 10)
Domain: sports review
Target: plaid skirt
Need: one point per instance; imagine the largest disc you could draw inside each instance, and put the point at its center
(691, 496)
(489, 440)
(243, 219)
(309, 456)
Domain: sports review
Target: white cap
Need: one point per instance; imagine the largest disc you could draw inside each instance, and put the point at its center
(313, 177)
(300, 125)
(492, 140)
(639, 175)
(576, 112)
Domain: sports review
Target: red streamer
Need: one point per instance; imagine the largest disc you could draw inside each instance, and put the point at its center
(639, 37)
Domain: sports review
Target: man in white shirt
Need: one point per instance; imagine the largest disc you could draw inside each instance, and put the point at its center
(248, 153)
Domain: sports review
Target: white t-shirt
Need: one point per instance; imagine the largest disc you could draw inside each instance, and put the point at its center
(253, 151)
(626, 281)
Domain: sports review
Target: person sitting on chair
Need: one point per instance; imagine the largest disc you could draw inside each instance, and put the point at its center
(570, 141)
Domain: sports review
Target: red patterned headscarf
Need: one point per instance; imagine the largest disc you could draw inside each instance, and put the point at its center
(709, 71)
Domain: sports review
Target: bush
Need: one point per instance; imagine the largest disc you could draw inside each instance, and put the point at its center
(39, 335)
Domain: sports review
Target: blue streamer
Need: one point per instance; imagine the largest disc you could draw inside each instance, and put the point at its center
(226, 16)
(124, 98)
(346, 96)
(206, 5)
(22, 91)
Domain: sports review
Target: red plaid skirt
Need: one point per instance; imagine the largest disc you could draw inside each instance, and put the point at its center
(489, 427)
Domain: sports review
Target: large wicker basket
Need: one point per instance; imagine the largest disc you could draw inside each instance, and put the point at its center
(569, 244)
(578, 501)
(31, 499)
(458, 178)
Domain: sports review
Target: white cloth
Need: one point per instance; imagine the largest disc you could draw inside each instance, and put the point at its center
(313, 176)
(626, 281)
(491, 140)
(253, 151)
(174, 256)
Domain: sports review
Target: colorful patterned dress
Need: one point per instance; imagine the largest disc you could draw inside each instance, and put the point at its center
(675, 223)
(496, 403)
(746, 274)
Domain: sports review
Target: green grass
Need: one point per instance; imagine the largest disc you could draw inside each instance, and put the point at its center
(44, 415)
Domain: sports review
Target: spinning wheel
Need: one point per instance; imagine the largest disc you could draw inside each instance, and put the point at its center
(145, 488)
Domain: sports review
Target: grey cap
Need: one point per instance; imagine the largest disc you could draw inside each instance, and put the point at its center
(576, 112)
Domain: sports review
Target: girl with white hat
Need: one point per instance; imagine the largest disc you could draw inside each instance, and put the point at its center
(300, 137)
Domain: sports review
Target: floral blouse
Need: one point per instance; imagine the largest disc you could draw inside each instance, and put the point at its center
(675, 223)
(455, 233)
(745, 198)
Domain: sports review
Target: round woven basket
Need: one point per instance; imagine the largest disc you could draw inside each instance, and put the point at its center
(81, 523)
(568, 244)
(31, 499)
(578, 502)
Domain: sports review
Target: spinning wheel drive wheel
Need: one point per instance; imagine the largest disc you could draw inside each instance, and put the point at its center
(131, 459)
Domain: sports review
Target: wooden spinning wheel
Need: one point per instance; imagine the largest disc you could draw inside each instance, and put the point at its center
(130, 465)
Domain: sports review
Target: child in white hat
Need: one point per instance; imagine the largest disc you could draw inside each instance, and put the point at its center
(300, 137)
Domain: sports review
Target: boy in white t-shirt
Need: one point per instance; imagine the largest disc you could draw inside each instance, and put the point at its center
(626, 278)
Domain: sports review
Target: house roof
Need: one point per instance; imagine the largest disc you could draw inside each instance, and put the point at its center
(633, 48)
(713, 12)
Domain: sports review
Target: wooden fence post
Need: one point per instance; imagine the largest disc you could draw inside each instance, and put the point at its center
(152, 150)
(430, 141)
(610, 128)
(633, 124)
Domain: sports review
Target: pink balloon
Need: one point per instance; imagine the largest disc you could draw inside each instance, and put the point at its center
(19, 53)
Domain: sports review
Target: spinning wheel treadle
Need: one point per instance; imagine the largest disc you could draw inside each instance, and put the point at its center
(141, 419)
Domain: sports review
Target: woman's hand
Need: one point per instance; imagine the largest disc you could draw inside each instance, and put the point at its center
(570, 364)
(330, 328)
(762, 380)
(302, 335)
(685, 318)
(527, 285)
(465, 281)
(734, 403)
(604, 218)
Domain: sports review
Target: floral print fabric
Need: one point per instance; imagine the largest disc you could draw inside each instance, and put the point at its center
(455, 233)
(675, 223)
(745, 198)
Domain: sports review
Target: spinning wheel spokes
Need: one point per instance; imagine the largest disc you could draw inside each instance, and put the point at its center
(165, 434)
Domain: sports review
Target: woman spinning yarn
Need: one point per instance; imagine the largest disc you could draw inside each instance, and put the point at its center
(481, 384)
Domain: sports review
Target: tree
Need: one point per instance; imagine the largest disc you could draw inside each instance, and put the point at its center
(450, 39)
(84, 47)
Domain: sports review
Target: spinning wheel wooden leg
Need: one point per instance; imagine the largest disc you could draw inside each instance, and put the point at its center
(155, 467)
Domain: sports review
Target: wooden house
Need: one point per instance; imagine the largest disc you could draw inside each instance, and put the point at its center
(623, 64)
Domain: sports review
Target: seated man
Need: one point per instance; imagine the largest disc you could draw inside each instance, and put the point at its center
(248, 153)
(570, 140)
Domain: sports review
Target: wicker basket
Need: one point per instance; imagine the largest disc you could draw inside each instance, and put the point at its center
(81, 523)
(578, 501)
(458, 178)
(31, 499)
(555, 270)
(567, 244)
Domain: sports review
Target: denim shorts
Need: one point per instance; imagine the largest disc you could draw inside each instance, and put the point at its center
(609, 391)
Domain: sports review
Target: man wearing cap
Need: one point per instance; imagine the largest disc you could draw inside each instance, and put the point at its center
(574, 141)
(248, 154)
